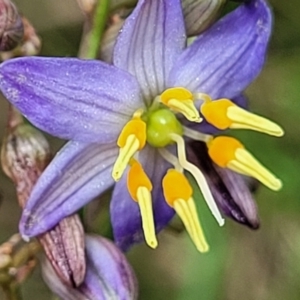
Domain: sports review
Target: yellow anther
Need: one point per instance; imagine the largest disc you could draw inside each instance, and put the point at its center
(178, 93)
(222, 150)
(131, 140)
(140, 187)
(176, 186)
(225, 114)
(199, 177)
(135, 127)
(136, 178)
(215, 113)
(230, 153)
(178, 194)
(181, 100)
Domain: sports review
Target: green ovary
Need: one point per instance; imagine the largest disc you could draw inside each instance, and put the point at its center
(160, 124)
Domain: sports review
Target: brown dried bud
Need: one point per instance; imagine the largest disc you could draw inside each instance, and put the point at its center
(64, 247)
(31, 44)
(200, 14)
(25, 154)
(11, 26)
(109, 275)
(110, 37)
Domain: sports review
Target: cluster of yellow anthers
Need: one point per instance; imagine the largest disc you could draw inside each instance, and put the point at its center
(159, 127)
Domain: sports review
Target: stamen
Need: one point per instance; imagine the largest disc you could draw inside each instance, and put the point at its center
(224, 114)
(145, 204)
(140, 187)
(188, 214)
(202, 96)
(169, 157)
(199, 177)
(181, 100)
(196, 135)
(229, 152)
(131, 139)
(243, 119)
(178, 194)
(125, 154)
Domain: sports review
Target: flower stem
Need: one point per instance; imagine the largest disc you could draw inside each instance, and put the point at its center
(12, 292)
(94, 29)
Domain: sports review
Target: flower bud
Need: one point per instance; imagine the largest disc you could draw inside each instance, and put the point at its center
(108, 276)
(109, 38)
(228, 188)
(64, 247)
(25, 154)
(32, 42)
(87, 6)
(17, 260)
(200, 14)
(30, 45)
(11, 26)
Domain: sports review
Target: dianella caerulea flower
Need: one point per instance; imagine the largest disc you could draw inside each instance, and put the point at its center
(128, 122)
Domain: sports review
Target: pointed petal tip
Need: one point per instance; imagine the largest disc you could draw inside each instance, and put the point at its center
(62, 96)
(252, 224)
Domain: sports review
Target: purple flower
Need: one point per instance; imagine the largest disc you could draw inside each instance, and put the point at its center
(124, 119)
(108, 276)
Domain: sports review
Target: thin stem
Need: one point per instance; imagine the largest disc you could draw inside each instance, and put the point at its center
(12, 292)
(94, 32)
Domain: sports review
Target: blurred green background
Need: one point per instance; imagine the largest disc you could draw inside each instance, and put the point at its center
(242, 264)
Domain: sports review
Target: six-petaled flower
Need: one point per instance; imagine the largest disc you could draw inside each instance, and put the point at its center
(128, 122)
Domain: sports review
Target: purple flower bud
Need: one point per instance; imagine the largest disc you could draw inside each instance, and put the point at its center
(108, 276)
(11, 26)
(229, 189)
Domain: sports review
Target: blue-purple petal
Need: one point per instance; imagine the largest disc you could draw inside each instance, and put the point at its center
(125, 213)
(78, 174)
(84, 100)
(224, 60)
(150, 42)
(108, 272)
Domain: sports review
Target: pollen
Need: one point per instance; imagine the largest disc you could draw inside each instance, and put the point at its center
(181, 100)
(222, 150)
(131, 140)
(140, 187)
(224, 114)
(178, 194)
(135, 127)
(136, 178)
(230, 153)
(215, 113)
(176, 186)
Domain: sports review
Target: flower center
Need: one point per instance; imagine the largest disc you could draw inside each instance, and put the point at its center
(160, 127)
(160, 124)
